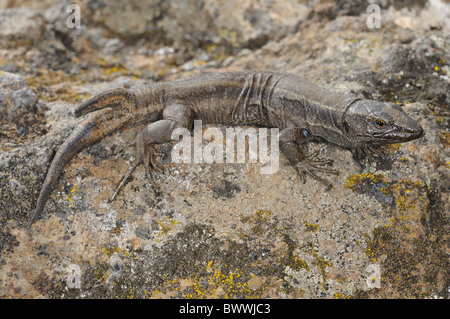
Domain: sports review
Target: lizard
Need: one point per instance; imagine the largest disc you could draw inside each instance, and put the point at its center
(301, 110)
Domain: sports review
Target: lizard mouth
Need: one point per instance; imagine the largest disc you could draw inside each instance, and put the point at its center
(398, 135)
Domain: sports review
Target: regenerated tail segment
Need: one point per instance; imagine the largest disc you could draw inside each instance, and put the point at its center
(93, 129)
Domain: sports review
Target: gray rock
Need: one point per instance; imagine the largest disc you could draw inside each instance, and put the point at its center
(243, 23)
(226, 231)
(15, 95)
(20, 26)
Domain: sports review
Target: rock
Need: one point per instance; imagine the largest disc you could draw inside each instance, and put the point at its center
(128, 19)
(220, 230)
(252, 24)
(20, 26)
(239, 24)
(425, 56)
(15, 96)
(434, 15)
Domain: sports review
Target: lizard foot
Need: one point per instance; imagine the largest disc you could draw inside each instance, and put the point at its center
(147, 164)
(156, 164)
(309, 167)
(146, 156)
(371, 154)
(377, 156)
(151, 164)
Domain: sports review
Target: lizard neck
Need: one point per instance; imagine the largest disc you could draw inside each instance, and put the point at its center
(326, 120)
(299, 103)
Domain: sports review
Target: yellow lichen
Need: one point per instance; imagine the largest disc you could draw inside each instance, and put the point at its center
(339, 295)
(260, 220)
(68, 196)
(220, 281)
(321, 263)
(166, 225)
(5, 148)
(298, 263)
(311, 227)
(412, 201)
(356, 179)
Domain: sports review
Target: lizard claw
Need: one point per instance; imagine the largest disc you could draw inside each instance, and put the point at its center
(124, 181)
(309, 168)
(146, 157)
(318, 162)
(152, 166)
(157, 166)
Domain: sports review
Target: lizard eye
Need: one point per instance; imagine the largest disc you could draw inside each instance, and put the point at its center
(380, 123)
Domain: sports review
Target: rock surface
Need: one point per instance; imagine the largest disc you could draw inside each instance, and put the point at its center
(216, 231)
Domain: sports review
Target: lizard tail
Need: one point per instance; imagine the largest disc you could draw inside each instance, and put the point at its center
(111, 98)
(90, 131)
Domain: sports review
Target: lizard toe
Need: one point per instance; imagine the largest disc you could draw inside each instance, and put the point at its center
(307, 168)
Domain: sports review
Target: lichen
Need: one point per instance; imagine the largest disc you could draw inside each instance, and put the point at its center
(165, 226)
(311, 227)
(260, 221)
(355, 181)
(68, 193)
(408, 248)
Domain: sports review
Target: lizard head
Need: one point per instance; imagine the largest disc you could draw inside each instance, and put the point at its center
(378, 123)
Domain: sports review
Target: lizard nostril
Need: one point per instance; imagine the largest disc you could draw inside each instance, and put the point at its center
(416, 131)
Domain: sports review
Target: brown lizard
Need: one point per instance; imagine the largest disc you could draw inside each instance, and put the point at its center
(300, 109)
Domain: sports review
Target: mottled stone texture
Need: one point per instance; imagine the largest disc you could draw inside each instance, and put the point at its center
(222, 230)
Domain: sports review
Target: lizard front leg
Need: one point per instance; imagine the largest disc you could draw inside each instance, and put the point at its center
(159, 132)
(306, 165)
(371, 154)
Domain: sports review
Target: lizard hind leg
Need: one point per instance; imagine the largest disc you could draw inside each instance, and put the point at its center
(159, 132)
(144, 155)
